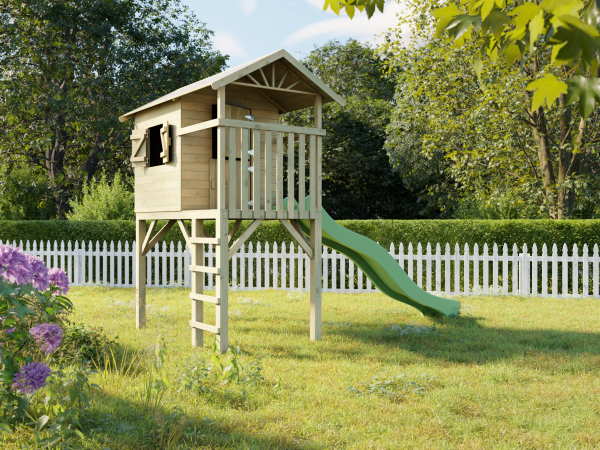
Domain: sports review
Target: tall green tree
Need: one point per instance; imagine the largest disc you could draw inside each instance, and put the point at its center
(556, 46)
(478, 112)
(25, 193)
(70, 68)
(358, 180)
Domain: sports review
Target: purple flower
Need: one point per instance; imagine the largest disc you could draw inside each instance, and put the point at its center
(31, 377)
(39, 273)
(59, 279)
(14, 266)
(48, 336)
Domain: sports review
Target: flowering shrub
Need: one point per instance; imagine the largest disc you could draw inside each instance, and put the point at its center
(32, 309)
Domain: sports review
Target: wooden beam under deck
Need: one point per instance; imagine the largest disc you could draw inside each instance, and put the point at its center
(213, 214)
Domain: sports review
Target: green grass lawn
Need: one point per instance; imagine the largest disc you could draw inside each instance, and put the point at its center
(509, 373)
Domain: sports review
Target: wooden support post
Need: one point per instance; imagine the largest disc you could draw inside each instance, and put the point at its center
(197, 282)
(140, 274)
(222, 280)
(221, 150)
(316, 234)
(316, 231)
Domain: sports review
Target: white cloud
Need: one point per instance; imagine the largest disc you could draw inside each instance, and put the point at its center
(229, 44)
(248, 6)
(360, 27)
(319, 4)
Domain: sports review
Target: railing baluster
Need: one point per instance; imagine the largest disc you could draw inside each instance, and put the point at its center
(301, 175)
(244, 188)
(313, 174)
(290, 190)
(232, 153)
(279, 182)
(270, 214)
(256, 174)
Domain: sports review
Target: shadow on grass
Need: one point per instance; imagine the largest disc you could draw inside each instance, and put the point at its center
(129, 425)
(463, 339)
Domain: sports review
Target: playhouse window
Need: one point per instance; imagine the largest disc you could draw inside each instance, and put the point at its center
(155, 147)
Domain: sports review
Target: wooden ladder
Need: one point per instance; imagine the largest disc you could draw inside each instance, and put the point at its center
(196, 241)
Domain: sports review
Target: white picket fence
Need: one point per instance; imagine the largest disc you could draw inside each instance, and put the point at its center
(448, 273)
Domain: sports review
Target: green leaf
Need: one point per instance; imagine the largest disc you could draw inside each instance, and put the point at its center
(496, 21)
(486, 7)
(460, 24)
(5, 427)
(478, 66)
(350, 11)
(536, 27)
(586, 90)
(575, 39)
(523, 14)
(546, 89)
(41, 422)
(445, 16)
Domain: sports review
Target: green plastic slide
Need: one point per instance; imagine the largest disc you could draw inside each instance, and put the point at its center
(381, 268)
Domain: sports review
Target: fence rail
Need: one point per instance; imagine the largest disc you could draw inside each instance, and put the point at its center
(439, 271)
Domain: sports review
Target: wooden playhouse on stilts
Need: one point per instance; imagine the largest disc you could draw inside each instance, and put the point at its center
(214, 150)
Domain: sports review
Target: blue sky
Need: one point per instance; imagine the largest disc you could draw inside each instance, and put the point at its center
(248, 29)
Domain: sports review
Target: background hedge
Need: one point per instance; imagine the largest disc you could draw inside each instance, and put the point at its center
(383, 231)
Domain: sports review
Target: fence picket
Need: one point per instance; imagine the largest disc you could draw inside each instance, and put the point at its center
(575, 270)
(334, 266)
(555, 271)
(447, 270)
(428, 268)
(544, 271)
(565, 271)
(534, 270)
(495, 269)
(515, 270)
(466, 270)
(595, 271)
(419, 265)
(274, 267)
(586, 273)
(438, 268)
(409, 257)
(485, 256)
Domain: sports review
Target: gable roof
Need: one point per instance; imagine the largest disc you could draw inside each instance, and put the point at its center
(221, 79)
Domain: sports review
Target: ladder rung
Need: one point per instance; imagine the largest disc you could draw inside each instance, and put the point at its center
(204, 326)
(205, 298)
(205, 240)
(205, 269)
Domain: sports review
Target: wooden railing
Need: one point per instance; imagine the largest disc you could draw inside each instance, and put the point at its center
(253, 188)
